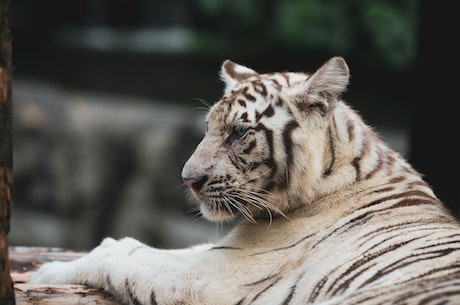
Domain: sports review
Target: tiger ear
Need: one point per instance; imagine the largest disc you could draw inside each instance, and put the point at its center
(331, 79)
(232, 73)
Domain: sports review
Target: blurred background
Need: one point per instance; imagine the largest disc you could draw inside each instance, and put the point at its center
(109, 98)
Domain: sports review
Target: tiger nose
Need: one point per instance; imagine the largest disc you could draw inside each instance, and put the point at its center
(195, 183)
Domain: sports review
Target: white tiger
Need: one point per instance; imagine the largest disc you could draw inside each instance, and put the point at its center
(329, 214)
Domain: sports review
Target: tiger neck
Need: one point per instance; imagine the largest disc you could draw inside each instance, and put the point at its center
(354, 158)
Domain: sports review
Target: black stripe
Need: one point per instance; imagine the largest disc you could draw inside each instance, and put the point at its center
(153, 298)
(370, 236)
(403, 293)
(397, 179)
(233, 119)
(365, 216)
(224, 248)
(265, 289)
(286, 247)
(268, 112)
(406, 261)
(237, 162)
(437, 296)
(342, 287)
(269, 162)
(288, 148)
(319, 285)
(328, 171)
(412, 201)
(250, 147)
(247, 95)
(288, 298)
(286, 77)
(357, 160)
(379, 164)
(131, 295)
(240, 302)
(279, 102)
(276, 84)
(361, 262)
(260, 87)
(261, 280)
(433, 289)
(382, 190)
(307, 106)
(390, 160)
(445, 268)
(109, 285)
(449, 242)
(135, 249)
(400, 195)
(257, 116)
(356, 164)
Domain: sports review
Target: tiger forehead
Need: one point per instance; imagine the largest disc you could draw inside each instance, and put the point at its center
(255, 97)
(263, 84)
(270, 83)
(256, 88)
(228, 113)
(224, 113)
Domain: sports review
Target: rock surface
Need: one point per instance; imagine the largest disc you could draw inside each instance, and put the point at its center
(88, 166)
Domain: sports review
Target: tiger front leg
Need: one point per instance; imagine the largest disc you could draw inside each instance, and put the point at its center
(133, 272)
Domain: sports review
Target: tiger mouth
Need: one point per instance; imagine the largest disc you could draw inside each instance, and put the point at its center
(231, 207)
(217, 211)
(220, 202)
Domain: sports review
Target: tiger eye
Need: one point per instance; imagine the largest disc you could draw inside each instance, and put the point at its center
(241, 131)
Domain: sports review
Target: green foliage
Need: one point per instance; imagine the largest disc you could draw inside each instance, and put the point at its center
(381, 31)
(314, 24)
(391, 30)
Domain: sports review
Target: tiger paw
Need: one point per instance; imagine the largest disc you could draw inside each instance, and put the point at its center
(55, 273)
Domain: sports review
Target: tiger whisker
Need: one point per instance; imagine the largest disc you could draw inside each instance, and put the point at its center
(246, 175)
(267, 198)
(257, 204)
(227, 202)
(244, 210)
(206, 105)
(260, 200)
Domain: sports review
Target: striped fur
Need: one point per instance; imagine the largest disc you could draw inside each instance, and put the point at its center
(327, 212)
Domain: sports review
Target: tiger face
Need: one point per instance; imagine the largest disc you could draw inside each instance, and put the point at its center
(255, 145)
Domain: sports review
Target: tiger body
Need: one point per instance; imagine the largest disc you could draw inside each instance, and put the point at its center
(329, 213)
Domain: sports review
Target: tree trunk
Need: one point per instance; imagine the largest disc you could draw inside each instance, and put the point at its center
(7, 296)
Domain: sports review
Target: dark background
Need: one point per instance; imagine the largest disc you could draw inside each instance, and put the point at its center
(401, 53)
(95, 43)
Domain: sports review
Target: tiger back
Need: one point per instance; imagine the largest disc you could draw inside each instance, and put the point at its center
(325, 211)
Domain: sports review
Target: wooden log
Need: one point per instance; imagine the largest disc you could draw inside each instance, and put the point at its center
(24, 261)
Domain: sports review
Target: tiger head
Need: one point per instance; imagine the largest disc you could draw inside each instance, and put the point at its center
(262, 152)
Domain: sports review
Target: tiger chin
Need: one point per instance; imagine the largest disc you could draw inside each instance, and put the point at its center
(326, 212)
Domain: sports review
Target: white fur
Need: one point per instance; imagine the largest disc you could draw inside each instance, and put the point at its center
(340, 234)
